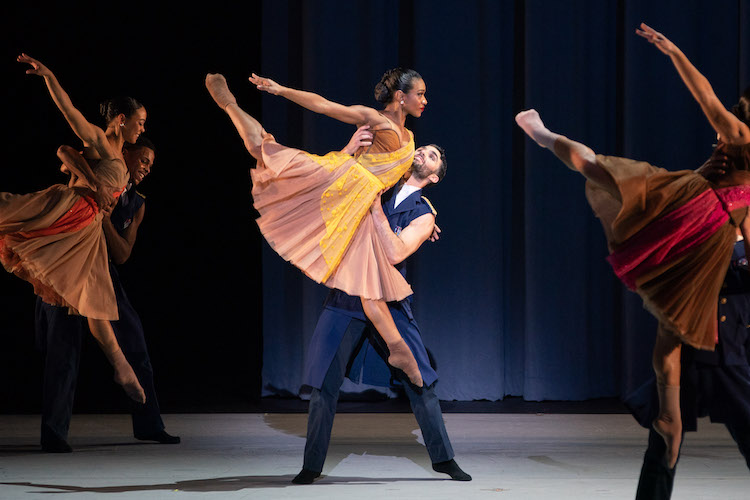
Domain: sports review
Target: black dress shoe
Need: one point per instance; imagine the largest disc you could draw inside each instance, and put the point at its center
(306, 476)
(162, 437)
(55, 445)
(451, 468)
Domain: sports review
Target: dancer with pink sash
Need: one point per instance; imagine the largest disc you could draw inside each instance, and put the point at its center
(670, 234)
(53, 238)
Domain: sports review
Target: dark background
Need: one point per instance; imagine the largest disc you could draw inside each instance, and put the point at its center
(515, 300)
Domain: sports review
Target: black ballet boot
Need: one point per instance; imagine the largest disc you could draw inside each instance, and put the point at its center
(162, 437)
(306, 476)
(55, 445)
(451, 468)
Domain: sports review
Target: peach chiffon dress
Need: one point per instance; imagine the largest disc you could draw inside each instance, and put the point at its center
(315, 212)
(54, 240)
(671, 236)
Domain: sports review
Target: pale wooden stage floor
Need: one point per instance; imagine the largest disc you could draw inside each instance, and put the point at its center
(255, 455)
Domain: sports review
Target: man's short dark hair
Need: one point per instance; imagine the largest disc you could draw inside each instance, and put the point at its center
(443, 168)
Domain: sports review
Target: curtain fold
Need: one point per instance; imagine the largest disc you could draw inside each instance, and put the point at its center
(516, 297)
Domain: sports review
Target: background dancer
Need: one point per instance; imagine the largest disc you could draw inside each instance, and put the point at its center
(59, 334)
(670, 233)
(53, 238)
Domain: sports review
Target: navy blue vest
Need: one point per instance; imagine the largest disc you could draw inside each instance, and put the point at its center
(129, 203)
(734, 316)
(415, 205)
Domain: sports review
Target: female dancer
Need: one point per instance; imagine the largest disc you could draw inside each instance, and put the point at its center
(53, 238)
(671, 234)
(315, 210)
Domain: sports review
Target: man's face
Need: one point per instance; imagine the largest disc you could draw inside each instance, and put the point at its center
(426, 162)
(139, 162)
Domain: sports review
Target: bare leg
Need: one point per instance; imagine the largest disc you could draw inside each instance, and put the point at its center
(401, 356)
(249, 128)
(124, 375)
(667, 367)
(575, 155)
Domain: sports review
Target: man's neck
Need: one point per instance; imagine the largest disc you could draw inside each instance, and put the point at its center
(420, 184)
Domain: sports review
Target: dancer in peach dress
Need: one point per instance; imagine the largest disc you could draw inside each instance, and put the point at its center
(671, 234)
(53, 238)
(315, 210)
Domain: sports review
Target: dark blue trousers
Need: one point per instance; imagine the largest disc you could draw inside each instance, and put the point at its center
(322, 407)
(59, 336)
(721, 392)
(657, 479)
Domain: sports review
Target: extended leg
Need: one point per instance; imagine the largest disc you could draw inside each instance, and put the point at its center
(741, 436)
(59, 337)
(322, 406)
(147, 421)
(575, 155)
(426, 408)
(249, 128)
(666, 361)
(124, 375)
(401, 356)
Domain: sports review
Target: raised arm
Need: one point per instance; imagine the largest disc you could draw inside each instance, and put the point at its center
(400, 246)
(730, 128)
(91, 135)
(355, 115)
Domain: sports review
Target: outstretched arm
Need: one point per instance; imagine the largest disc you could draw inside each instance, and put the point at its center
(400, 246)
(730, 128)
(355, 115)
(91, 135)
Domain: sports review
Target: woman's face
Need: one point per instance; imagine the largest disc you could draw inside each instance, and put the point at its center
(415, 100)
(135, 125)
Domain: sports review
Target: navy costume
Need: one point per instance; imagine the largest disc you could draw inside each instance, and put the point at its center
(712, 383)
(59, 335)
(346, 344)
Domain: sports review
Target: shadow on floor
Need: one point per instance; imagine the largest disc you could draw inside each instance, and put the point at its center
(232, 483)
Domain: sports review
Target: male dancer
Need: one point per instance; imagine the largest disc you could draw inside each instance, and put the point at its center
(343, 336)
(59, 334)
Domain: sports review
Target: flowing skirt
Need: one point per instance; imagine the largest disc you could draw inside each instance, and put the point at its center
(54, 240)
(315, 213)
(671, 237)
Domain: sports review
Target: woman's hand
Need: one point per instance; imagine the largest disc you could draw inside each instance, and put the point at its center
(37, 68)
(654, 37)
(266, 84)
(714, 167)
(362, 137)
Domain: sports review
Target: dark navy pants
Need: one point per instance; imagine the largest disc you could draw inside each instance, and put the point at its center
(322, 408)
(657, 479)
(59, 336)
(721, 392)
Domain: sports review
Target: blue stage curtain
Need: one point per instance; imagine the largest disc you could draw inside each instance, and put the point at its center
(516, 297)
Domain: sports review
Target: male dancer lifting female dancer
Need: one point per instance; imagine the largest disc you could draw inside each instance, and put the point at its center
(670, 234)
(53, 238)
(315, 210)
